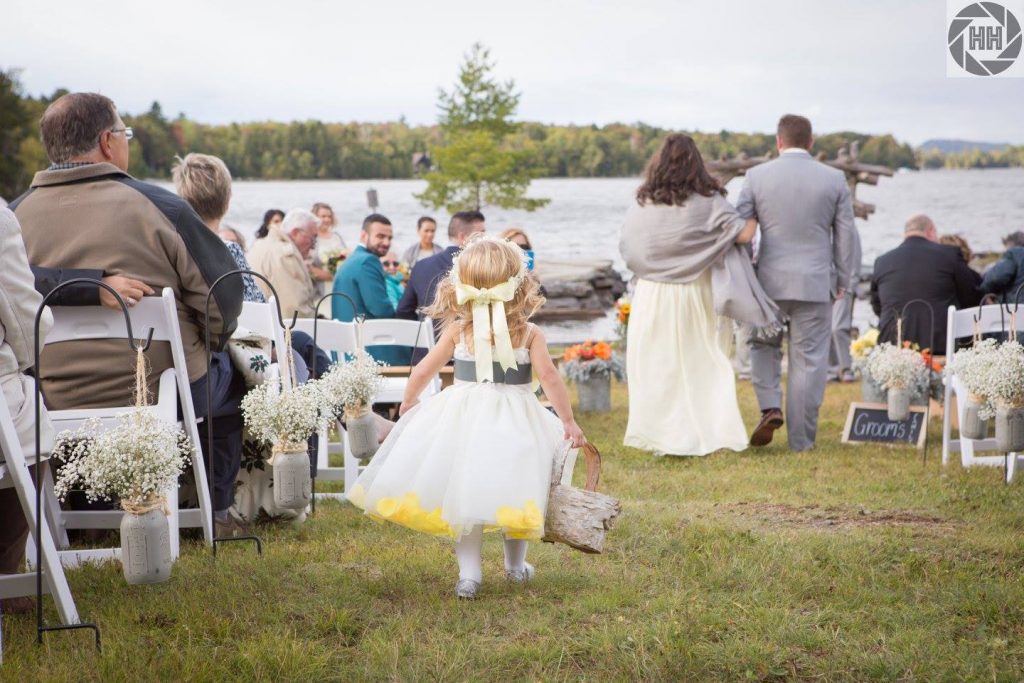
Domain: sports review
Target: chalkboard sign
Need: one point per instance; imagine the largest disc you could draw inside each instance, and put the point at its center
(870, 423)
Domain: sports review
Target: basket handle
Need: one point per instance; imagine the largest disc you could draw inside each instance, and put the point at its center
(593, 457)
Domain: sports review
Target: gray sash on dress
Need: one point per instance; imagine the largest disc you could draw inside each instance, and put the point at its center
(465, 370)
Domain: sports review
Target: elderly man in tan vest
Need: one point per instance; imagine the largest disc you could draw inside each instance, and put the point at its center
(284, 256)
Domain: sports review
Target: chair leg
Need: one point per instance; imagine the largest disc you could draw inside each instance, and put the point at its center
(173, 522)
(1011, 466)
(203, 491)
(947, 426)
(54, 513)
(351, 464)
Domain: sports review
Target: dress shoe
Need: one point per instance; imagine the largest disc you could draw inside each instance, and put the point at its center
(466, 589)
(520, 575)
(771, 420)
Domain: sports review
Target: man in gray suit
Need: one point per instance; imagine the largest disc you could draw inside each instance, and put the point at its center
(805, 212)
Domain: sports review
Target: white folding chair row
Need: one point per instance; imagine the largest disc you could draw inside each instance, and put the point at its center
(340, 338)
(262, 319)
(75, 323)
(14, 473)
(960, 324)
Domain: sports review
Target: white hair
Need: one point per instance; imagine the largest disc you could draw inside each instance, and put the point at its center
(298, 218)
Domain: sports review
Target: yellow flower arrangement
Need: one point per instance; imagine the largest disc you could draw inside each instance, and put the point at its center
(862, 345)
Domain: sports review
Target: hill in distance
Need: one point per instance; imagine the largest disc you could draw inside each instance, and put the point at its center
(955, 146)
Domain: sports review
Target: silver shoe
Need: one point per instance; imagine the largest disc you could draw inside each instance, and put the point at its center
(467, 589)
(521, 575)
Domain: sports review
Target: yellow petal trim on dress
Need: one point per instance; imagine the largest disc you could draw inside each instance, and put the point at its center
(525, 524)
(408, 512)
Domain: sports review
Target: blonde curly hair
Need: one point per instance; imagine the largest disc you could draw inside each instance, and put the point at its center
(483, 263)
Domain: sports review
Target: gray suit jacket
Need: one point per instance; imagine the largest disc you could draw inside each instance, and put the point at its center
(807, 230)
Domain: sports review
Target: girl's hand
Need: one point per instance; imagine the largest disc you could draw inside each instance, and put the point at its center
(574, 434)
(407, 406)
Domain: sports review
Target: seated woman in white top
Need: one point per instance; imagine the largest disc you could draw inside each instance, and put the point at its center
(19, 302)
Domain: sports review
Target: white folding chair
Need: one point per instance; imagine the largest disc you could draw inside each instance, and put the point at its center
(960, 325)
(74, 323)
(395, 332)
(14, 472)
(262, 319)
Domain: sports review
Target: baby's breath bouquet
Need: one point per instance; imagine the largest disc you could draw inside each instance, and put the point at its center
(285, 418)
(350, 387)
(352, 384)
(897, 367)
(974, 369)
(135, 461)
(1004, 376)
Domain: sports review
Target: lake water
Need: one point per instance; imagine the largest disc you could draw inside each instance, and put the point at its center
(584, 216)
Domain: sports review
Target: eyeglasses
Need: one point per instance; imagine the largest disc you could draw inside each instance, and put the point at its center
(127, 130)
(390, 264)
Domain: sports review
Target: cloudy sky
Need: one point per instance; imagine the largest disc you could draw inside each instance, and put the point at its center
(864, 65)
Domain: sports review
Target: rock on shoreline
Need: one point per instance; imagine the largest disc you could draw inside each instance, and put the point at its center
(578, 289)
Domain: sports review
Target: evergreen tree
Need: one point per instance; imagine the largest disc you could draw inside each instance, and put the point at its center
(477, 162)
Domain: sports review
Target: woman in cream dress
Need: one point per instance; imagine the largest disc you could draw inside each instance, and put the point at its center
(682, 392)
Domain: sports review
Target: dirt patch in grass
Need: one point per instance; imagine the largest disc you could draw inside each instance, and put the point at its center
(816, 516)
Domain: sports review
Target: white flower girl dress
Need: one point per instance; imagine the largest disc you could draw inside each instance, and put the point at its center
(478, 453)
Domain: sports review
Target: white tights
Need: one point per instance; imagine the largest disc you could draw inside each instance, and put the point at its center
(467, 552)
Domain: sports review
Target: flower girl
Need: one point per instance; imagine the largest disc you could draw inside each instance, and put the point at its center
(477, 457)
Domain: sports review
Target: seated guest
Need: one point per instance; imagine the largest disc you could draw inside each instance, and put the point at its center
(19, 302)
(393, 277)
(204, 181)
(921, 268)
(361, 277)
(285, 257)
(426, 228)
(1006, 276)
(518, 237)
(419, 292)
(229, 234)
(85, 211)
(271, 218)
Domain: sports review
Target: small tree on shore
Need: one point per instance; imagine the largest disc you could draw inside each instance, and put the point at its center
(475, 165)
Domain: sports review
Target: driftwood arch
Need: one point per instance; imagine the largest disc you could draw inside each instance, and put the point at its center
(846, 161)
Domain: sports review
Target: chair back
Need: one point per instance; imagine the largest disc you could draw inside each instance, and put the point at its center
(337, 338)
(991, 319)
(397, 332)
(262, 319)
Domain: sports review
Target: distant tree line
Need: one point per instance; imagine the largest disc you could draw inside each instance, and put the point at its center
(313, 149)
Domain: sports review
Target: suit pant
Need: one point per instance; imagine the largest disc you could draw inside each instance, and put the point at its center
(227, 388)
(809, 336)
(842, 324)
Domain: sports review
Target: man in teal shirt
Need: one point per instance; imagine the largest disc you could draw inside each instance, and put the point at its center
(361, 277)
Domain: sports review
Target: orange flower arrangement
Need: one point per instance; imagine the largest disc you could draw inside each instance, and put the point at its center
(588, 350)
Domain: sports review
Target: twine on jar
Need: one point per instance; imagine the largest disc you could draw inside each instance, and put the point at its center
(1013, 324)
(281, 447)
(141, 507)
(289, 359)
(356, 410)
(141, 385)
(899, 331)
(977, 333)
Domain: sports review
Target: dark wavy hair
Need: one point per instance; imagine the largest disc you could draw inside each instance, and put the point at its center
(675, 172)
(264, 229)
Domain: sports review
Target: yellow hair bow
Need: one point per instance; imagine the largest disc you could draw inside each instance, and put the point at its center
(495, 298)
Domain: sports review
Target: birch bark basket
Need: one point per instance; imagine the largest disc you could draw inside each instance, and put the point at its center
(576, 517)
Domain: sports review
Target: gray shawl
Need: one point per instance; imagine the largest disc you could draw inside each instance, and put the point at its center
(677, 244)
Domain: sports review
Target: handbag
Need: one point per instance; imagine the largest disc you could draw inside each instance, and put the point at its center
(576, 517)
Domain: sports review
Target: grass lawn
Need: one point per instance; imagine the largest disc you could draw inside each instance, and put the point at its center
(846, 563)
